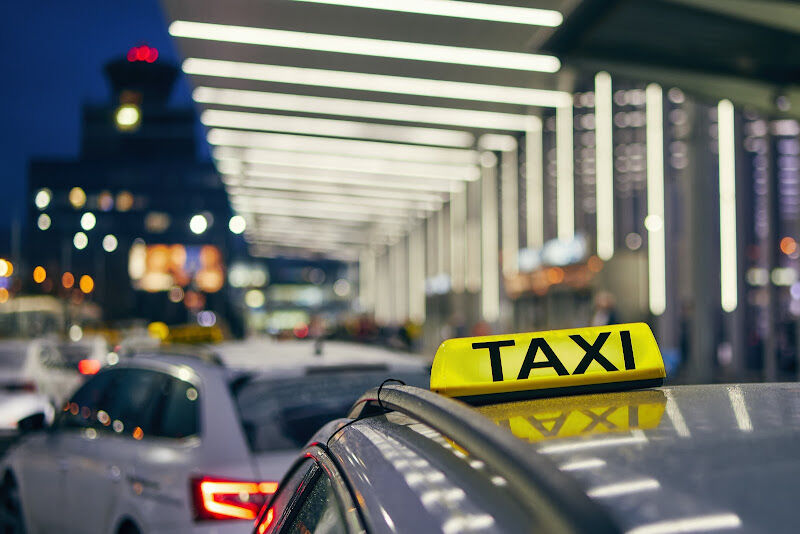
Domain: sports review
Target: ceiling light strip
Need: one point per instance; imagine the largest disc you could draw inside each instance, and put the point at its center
(457, 9)
(377, 83)
(345, 44)
(336, 128)
(346, 163)
(351, 147)
(361, 108)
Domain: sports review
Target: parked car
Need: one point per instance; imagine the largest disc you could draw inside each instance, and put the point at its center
(36, 366)
(170, 443)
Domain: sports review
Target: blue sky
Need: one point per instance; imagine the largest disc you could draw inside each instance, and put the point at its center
(51, 56)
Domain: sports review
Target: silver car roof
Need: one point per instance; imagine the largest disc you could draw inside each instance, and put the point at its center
(712, 458)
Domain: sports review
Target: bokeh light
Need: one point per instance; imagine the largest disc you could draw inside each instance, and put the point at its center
(788, 245)
(43, 222)
(198, 224)
(80, 240)
(88, 221)
(124, 201)
(39, 274)
(237, 224)
(86, 283)
(67, 280)
(127, 117)
(110, 243)
(42, 198)
(77, 197)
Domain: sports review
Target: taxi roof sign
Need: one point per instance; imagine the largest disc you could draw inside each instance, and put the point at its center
(556, 362)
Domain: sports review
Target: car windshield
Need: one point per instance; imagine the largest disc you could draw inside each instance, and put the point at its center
(281, 414)
(12, 357)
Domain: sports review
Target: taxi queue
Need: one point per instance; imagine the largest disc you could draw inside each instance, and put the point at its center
(558, 431)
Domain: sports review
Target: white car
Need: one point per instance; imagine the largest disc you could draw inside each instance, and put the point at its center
(174, 444)
(35, 366)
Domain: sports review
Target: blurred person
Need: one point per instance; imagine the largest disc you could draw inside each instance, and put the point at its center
(481, 328)
(605, 312)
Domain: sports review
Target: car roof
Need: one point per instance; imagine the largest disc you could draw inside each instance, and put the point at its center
(670, 458)
(294, 357)
(722, 451)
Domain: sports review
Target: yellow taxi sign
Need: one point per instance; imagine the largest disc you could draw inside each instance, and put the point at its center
(518, 366)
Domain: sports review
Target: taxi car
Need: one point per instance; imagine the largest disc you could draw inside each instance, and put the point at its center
(560, 431)
(164, 442)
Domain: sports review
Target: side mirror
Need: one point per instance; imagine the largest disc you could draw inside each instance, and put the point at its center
(32, 423)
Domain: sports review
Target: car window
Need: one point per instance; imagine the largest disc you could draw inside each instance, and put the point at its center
(292, 485)
(82, 408)
(131, 401)
(284, 414)
(119, 401)
(319, 512)
(179, 415)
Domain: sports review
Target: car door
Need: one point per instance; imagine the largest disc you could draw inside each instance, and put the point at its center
(101, 460)
(167, 457)
(43, 459)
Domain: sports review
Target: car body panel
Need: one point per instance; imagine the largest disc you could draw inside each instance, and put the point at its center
(408, 478)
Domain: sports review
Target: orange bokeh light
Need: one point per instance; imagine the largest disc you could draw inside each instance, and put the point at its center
(595, 264)
(788, 245)
(86, 283)
(555, 275)
(68, 280)
(39, 274)
(3, 295)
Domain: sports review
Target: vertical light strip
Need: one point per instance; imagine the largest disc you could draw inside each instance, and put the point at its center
(400, 280)
(604, 161)
(534, 188)
(509, 216)
(727, 206)
(431, 241)
(382, 289)
(490, 289)
(458, 231)
(416, 274)
(442, 242)
(565, 182)
(474, 242)
(366, 277)
(654, 222)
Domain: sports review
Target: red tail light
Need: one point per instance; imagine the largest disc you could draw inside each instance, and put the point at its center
(228, 499)
(265, 521)
(88, 367)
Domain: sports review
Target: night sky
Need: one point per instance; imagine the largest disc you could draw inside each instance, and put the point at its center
(51, 57)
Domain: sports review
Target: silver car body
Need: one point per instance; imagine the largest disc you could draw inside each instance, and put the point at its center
(77, 481)
(715, 458)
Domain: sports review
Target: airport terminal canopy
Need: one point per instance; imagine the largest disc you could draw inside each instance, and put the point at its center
(340, 124)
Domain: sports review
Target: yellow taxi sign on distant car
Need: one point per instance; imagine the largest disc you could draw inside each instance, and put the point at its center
(556, 362)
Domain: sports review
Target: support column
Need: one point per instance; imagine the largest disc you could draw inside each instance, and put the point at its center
(490, 268)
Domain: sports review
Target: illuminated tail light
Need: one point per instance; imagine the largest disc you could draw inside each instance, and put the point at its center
(227, 499)
(88, 367)
(265, 521)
